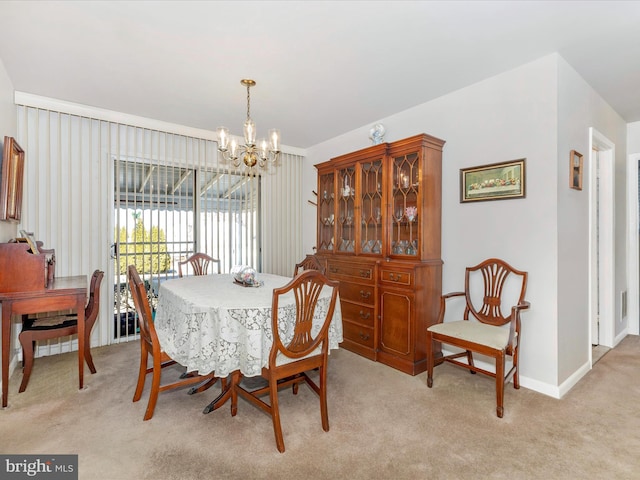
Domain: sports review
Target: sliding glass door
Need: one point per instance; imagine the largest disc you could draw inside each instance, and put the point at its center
(168, 207)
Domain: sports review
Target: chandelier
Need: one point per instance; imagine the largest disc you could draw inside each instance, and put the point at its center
(254, 155)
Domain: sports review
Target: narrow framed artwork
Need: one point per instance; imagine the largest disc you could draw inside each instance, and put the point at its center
(495, 181)
(12, 173)
(575, 170)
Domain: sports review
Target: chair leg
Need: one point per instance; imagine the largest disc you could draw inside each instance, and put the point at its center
(27, 360)
(323, 398)
(142, 373)
(87, 351)
(500, 385)
(155, 388)
(516, 371)
(275, 414)
(470, 361)
(429, 359)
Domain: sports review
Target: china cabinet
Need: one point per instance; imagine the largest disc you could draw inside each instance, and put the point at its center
(379, 234)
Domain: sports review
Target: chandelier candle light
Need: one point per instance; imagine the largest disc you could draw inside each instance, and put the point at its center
(253, 155)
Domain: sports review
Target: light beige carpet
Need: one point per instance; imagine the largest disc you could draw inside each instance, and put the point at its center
(384, 425)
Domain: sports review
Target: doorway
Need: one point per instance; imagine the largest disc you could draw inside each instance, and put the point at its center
(601, 241)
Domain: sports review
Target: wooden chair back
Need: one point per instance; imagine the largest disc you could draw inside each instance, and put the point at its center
(310, 262)
(145, 317)
(306, 288)
(199, 263)
(494, 274)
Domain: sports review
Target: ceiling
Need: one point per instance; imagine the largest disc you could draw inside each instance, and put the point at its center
(322, 67)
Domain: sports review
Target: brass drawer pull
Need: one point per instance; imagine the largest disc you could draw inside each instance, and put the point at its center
(364, 294)
(364, 316)
(333, 270)
(363, 336)
(365, 273)
(395, 278)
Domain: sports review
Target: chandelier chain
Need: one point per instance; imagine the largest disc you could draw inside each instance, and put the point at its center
(248, 102)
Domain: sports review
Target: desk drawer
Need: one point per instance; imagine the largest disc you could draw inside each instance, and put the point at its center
(358, 293)
(358, 334)
(402, 278)
(351, 271)
(358, 313)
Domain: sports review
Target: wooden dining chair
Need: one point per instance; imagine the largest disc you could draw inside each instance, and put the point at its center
(199, 263)
(151, 346)
(304, 349)
(310, 262)
(47, 328)
(488, 332)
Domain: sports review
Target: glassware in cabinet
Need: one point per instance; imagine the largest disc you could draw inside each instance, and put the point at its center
(371, 207)
(405, 206)
(326, 203)
(346, 222)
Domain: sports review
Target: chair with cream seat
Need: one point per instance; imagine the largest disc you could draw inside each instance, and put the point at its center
(487, 332)
(290, 360)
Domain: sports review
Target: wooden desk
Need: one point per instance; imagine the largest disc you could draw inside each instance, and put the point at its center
(65, 293)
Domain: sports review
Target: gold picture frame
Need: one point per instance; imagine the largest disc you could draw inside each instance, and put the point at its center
(12, 180)
(575, 170)
(496, 181)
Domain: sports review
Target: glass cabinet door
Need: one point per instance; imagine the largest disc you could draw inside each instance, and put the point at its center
(371, 207)
(326, 219)
(405, 213)
(346, 223)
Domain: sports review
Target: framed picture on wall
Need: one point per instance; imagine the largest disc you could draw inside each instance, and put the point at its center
(575, 170)
(496, 181)
(12, 173)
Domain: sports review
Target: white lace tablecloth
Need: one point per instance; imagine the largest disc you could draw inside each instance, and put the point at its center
(210, 324)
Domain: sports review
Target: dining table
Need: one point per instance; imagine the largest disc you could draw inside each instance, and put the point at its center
(211, 323)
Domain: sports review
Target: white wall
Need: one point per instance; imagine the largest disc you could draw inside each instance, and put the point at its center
(7, 128)
(514, 115)
(633, 137)
(510, 116)
(580, 107)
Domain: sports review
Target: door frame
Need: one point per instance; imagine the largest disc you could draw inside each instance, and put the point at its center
(633, 258)
(606, 161)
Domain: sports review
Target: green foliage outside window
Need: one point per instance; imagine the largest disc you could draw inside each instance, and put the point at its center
(146, 250)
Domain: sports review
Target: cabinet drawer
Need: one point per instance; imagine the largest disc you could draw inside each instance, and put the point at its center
(358, 313)
(358, 334)
(358, 293)
(392, 276)
(350, 271)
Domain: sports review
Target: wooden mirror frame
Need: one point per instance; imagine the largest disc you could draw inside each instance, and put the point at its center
(12, 171)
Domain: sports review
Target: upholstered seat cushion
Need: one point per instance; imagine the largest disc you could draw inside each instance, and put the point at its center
(50, 323)
(476, 332)
(282, 359)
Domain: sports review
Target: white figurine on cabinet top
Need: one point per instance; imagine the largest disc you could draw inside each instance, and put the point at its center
(376, 134)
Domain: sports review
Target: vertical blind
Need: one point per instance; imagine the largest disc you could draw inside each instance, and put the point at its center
(86, 178)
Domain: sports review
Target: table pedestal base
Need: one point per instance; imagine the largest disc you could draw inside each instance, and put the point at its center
(228, 391)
